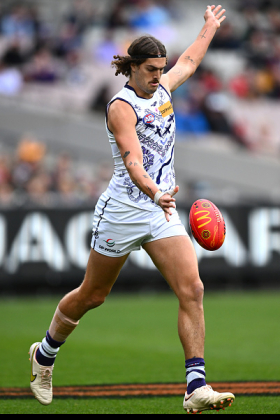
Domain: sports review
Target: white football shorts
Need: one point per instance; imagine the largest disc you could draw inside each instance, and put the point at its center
(119, 229)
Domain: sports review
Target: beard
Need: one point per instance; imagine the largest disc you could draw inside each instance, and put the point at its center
(146, 87)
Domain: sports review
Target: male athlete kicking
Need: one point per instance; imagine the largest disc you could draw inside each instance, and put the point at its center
(138, 210)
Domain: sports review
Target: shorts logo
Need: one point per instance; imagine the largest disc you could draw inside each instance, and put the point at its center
(110, 242)
(149, 119)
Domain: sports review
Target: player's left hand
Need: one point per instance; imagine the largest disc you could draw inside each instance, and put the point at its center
(167, 202)
(215, 14)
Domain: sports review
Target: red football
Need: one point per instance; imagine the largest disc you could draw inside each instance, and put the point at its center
(207, 224)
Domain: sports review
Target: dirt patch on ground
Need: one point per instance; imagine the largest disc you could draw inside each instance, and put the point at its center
(146, 390)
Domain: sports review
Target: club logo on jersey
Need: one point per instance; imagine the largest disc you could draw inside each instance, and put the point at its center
(110, 242)
(166, 109)
(149, 119)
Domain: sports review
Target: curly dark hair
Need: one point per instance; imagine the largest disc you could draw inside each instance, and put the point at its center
(145, 45)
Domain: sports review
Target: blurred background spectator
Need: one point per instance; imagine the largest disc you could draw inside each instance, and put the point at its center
(11, 79)
(32, 176)
(57, 56)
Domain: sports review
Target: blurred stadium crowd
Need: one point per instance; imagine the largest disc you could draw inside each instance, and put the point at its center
(32, 177)
(67, 62)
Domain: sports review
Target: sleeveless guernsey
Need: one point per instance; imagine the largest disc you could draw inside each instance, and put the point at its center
(155, 129)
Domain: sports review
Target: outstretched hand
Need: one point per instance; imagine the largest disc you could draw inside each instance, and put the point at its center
(215, 14)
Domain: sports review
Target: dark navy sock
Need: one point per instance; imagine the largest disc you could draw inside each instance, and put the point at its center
(48, 350)
(52, 342)
(195, 374)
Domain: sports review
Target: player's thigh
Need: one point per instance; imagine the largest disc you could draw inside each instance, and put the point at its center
(176, 259)
(101, 273)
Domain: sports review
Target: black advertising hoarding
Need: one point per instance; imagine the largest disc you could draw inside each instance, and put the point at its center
(49, 248)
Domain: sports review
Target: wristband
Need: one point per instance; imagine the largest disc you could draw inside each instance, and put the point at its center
(158, 195)
(161, 193)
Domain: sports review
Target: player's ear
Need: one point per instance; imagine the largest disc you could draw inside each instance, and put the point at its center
(133, 67)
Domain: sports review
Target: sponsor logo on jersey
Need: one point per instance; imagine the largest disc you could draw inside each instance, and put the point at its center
(166, 109)
(149, 119)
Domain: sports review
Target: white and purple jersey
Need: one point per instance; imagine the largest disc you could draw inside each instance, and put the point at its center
(155, 129)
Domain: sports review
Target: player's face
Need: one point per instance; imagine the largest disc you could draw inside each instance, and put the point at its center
(146, 77)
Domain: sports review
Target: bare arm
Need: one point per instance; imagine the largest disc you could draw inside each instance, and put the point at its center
(189, 61)
(121, 121)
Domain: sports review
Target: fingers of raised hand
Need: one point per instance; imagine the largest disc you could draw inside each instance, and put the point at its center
(218, 12)
(220, 16)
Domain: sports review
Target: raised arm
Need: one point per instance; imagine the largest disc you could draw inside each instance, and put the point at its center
(189, 61)
(121, 121)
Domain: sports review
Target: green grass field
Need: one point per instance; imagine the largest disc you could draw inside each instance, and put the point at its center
(133, 339)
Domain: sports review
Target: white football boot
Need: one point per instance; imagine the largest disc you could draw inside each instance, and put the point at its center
(205, 398)
(41, 378)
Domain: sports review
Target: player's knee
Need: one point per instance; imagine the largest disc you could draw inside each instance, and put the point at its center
(90, 299)
(198, 290)
(95, 300)
(192, 292)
